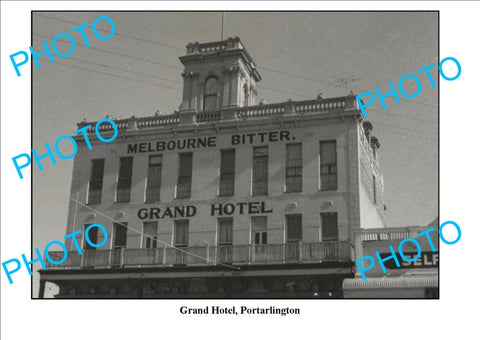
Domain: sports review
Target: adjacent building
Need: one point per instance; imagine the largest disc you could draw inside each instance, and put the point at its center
(228, 197)
(411, 279)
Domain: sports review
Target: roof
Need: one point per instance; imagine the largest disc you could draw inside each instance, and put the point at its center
(414, 281)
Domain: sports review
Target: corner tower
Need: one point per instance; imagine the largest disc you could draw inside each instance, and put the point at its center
(218, 75)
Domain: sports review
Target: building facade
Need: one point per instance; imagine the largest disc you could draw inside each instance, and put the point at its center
(411, 279)
(226, 197)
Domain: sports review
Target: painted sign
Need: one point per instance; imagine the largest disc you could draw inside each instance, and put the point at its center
(219, 209)
(209, 142)
(427, 259)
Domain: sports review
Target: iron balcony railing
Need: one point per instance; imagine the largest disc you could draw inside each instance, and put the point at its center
(260, 188)
(248, 254)
(184, 190)
(94, 196)
(226, 187)
(123, 194)
(152, 194)
(293, 184)
(260, 111)
(393, 234)
(328, 182)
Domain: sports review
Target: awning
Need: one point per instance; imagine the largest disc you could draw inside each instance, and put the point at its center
(414, 281)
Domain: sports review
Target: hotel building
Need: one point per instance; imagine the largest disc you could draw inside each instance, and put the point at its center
(228, 197)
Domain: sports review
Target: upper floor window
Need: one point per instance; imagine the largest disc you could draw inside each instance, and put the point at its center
(119, 243)
(294, 228)
(96, 181)
(150, 234)
(124, 179)
(89, 255)
(180, 240)
(328, 165)
(92, 236)
(184, 185)
(120, 235)
(210, 95)
(180, 233)
(259, 229)
(260, 171)
(293, 236)
(225, 240)
(225, 231)
(154, 176)
(293, 179)
(329, 226)
(227, 173)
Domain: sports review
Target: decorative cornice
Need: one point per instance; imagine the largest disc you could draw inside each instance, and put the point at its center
(190, 74)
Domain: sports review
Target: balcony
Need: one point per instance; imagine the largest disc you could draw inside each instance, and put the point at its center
(259, 254)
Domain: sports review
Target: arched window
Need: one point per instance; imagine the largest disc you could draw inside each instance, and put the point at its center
(210, 94)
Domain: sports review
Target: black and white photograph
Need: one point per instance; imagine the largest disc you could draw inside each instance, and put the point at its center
(225, 154)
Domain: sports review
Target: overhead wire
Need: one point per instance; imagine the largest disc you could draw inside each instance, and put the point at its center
(181, 49)
(114, 53)
(114, 75)
(399, 116)
(177, 89)
(116, 33)
(123, 70)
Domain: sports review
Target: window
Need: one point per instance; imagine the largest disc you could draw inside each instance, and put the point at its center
(184, 185)
(374, 189)
(89, 252)
(96, 181)
(227, 173)
(259, 238)
(328, 165)
(149, 234)
(260, 171)
(293, 179)
(225, 240)
(259, 230)
(294, 236)
(120, 237)
(225, 231)
(211, 94)
(92, 236)
(154, 176)
(294, 228)
(180, 240)
(124, 179)
(180, 233)
(119, 242)
(329, 226)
